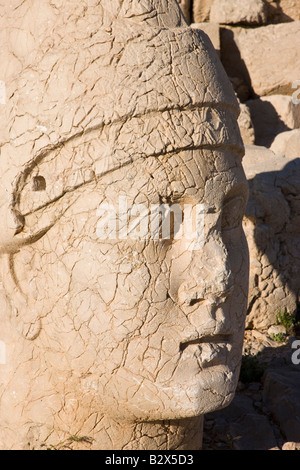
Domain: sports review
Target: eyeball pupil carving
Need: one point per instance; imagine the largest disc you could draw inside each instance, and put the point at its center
(38, 183)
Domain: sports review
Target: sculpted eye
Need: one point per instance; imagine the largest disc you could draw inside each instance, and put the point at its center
(232, 213)
(38, 183)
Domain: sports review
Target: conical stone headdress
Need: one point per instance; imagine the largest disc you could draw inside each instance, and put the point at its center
(92, 86)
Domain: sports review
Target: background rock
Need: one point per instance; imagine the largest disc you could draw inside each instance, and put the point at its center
(201, 10)
(287, 143)
(281, 393)
(239, 12)
(185, 6)
(272, 229)
(265, 58)
(283, 11)
(242, 427)
(272, 115)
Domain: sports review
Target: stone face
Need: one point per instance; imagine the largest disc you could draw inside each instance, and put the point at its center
(238, 11)
(114, 330)
(265, 58)
(272, 230)
(213, 32)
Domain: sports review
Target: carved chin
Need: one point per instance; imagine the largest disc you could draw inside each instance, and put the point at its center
(208, 391)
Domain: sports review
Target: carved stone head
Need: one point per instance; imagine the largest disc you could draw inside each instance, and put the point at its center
(117, 118)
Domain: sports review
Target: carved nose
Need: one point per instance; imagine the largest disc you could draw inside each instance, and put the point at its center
(212, 293)
(210, 280)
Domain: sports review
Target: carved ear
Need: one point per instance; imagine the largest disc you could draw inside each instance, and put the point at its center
(23, 315)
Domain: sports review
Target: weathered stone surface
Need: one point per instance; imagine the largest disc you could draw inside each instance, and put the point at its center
(186, 7)
(272, 230)
(265, 58)
(246, 125)
(123, 338)
(277, 329)
(213, 32)
(281, 394)
(201, 10)
(272, 115)
(250, 12)
(287, 143)
(283, 11)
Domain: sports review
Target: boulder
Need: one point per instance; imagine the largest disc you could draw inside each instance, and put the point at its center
(242, 426)
(271, 226)
(265, 58)
(185, 6)
(281, 394)
(249, 12)
(282, 11)
(246, 125)
(201, 10)
(287, 144)
(272, 115)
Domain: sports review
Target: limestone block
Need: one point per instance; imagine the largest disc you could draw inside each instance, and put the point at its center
(287, 144)
(186, 6)
(201, 10)
(272, 115)
(283, 11)
(249, 12)
(267, 59)
(213, 32)
(272, 229)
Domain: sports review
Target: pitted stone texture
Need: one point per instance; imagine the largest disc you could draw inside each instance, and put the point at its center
(246, 125)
